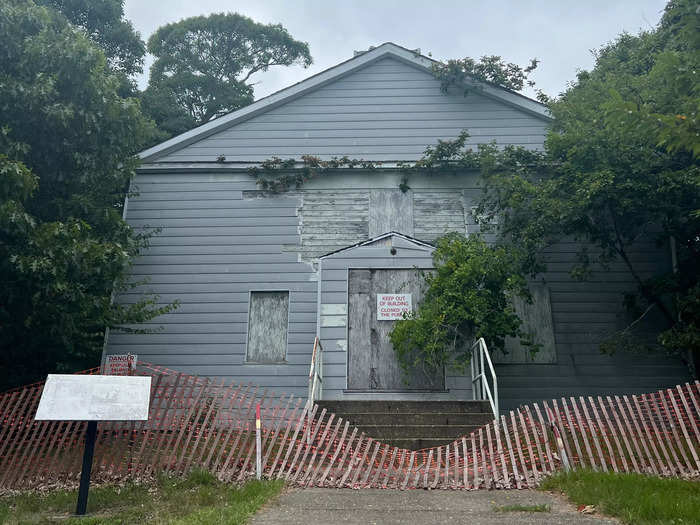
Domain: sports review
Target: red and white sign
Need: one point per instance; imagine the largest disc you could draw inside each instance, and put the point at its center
(119, 364)
(391, 306)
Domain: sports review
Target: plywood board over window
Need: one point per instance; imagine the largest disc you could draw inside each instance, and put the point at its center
(267, 327)
(537, 320)
(390, 210)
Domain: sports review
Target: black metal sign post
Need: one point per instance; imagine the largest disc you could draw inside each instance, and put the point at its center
(88, 453)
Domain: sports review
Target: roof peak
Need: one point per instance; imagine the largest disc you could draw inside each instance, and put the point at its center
(408, 56)
(356, 53)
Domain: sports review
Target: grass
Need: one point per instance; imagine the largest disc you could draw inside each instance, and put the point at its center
(199, 499)
(523, 508)
(633, 498)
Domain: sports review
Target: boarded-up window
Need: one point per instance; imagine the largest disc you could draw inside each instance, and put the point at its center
(267, 327)
(537, 320)
(390, 211)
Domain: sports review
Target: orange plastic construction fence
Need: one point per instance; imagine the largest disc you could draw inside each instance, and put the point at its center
(199, 423)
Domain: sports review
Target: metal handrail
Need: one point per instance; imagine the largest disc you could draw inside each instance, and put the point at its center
(316, 373)
(480, 353)
(315, 385)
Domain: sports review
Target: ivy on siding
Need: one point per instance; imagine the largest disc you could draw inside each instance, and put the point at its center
(447, 156)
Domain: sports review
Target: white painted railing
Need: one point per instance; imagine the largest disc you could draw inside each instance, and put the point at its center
(315, 385)
(481, 389)
(316, 373)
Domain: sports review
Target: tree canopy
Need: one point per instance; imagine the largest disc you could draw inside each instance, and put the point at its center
(204, 64)
(469, 296)
(66, 149)
(620, 167)
(103, 22)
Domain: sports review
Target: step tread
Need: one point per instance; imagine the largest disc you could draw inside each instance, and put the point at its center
(458, 425)
(436, 414)
(406, 407)
(418, 443)
(384, 432)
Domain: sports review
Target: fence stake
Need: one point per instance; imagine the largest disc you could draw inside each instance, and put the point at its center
(258, 467)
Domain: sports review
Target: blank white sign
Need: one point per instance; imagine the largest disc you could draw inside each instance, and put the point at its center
(94, 398)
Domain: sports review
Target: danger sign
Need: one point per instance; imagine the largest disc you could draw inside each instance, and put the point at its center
(391, 306)
(119, 364)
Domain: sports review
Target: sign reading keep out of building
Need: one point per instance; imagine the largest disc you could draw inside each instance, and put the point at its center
(391, 306)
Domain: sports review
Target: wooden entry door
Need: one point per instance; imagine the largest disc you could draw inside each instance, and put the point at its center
(372, 363)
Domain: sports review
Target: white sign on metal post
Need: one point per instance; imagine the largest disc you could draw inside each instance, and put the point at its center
(94, 398)
(391, 306)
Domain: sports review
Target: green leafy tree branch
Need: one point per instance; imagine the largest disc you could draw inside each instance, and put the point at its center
(469, 295)
(65, 165)
(204, 66)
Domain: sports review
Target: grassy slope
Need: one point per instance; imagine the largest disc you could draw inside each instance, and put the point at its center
(633, 498)
(200, 499)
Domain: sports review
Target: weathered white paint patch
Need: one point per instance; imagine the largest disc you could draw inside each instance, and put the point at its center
(334, 309)
(330, 220)
(437, 213)
(334, 320)
(342, 345)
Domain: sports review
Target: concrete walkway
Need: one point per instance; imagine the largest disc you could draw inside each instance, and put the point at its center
(415, 507)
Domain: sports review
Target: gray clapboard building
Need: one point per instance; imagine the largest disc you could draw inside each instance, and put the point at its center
(259, 276)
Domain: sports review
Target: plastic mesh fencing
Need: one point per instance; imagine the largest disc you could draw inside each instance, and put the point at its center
(205, 424)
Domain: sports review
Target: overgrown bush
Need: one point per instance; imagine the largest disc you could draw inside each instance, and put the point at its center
(468, 296)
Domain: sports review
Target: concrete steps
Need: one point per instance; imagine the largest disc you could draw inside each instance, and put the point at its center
(413, 424)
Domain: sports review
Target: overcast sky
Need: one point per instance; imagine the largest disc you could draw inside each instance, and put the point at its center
(560, 33)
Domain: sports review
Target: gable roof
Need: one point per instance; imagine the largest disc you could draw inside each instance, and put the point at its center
(332, 74)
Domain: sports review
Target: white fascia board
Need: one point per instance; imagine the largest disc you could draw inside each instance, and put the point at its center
(314, 82)
(416, 242)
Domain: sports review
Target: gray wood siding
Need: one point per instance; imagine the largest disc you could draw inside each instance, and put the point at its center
(583, 313)
(387, 111)
(220, 238)
(213, 249)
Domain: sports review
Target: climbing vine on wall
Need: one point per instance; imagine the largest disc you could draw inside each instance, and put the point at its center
(447, 156)
(276, 175)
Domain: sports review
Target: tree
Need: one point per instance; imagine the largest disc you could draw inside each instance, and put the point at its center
(469, 296)
(65, 162)
(620, 165)
(492, 69)
(203, 66)
(103, 22)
